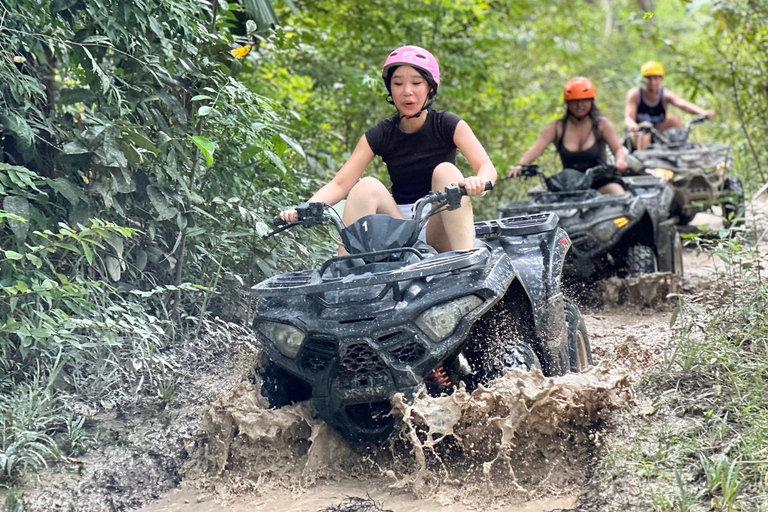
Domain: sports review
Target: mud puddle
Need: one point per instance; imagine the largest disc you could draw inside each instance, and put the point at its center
(524, 443)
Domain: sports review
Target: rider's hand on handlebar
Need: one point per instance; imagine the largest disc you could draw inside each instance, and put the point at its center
(710, 114)
(474, 185)
(515, 171)
(290, 216)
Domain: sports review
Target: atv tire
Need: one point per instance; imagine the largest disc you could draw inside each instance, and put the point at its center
(520, 356)
(281, 388)
(732, 201)
(579, 349)
(639, 259)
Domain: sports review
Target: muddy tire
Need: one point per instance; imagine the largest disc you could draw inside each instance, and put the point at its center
(639, 259)
(732, 201)
(281, 388)
(520, 357)
(579, 349)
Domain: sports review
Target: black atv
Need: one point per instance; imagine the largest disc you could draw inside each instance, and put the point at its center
(623, 235)
(395, 315)
(699, 174)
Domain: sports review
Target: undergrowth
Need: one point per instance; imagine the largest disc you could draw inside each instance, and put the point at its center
(704, 445)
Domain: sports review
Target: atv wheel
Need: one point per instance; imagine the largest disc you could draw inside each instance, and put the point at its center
(639, 259)
(281, 388)
(520, 357)
(579, 349)
(732, 201)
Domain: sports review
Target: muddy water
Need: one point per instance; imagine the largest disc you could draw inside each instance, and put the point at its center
(525, 443)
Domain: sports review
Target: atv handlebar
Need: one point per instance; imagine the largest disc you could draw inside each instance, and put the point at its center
(314, 214)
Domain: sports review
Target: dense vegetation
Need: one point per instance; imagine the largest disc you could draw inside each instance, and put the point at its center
(147, 144)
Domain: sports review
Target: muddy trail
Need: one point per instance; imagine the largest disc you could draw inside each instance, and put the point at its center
(525, 443)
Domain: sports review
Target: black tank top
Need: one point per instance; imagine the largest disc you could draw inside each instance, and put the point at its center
(582, 160)
(653, 113)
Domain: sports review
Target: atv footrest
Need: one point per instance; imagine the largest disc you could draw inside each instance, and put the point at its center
(517, 226)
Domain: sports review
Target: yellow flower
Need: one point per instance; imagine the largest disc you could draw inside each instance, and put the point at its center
(18, 59)
(241, 52)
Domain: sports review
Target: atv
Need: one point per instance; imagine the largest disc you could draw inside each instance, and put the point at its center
(699, 174)
(394, 315)
(612, 235)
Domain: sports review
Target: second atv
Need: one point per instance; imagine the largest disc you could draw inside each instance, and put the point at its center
(628, 234)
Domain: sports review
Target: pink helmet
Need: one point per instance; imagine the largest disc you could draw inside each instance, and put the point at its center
(414, 56)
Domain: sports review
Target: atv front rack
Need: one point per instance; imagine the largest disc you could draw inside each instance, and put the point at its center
(554, 206)
(311, 282)
(520, 225)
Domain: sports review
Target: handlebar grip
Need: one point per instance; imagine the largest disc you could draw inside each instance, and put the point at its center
(278, 222)
(488, 186)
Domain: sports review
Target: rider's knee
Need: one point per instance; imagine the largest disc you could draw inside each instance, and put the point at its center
(444, 174)
(368, 187)
(672, 122)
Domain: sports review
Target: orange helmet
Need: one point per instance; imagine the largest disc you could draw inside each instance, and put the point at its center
(579, 88)
(652, 68)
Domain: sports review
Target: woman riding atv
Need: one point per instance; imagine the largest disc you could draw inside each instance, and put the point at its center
(580, 137)
(418, 144)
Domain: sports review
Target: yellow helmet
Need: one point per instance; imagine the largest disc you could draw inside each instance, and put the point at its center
(652, 68)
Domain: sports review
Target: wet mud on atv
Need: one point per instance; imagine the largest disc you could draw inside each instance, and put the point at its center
(699, 174)
(612, 235)
(394, 315)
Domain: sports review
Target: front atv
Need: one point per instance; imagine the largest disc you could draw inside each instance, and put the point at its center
(394, 316)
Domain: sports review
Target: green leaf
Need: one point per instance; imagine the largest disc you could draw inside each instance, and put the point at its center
(250, 152)
(13, 255)
(88, 252)
(205, 146)
(294, 145)
(66, 188)
(201, 97)
(204, 110)
(18, 127)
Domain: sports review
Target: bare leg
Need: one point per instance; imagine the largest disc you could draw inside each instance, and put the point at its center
(641, 141)
(613, 189)
(671, 122)
(451, 231)
(369, 196)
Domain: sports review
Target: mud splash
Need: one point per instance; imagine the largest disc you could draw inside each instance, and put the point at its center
(646, 291)
(524, 435)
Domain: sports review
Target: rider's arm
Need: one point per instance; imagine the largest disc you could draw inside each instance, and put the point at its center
(478, 158)
(338, 188)
(546, 138)
(630, 110)
(608, 132)
(687, 106)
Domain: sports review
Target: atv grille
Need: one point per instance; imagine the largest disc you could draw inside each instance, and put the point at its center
(403, 347)
(318, 353)
(359, 357)
(408, 353)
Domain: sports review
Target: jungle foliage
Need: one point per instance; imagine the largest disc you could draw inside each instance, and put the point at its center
(146, 145)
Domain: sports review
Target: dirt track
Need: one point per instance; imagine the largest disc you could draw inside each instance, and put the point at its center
(547, 468)
(524, 444)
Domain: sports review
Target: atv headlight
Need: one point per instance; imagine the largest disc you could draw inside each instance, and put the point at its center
(667, 174)
(286, 338)
(438, 322)
(605, 230)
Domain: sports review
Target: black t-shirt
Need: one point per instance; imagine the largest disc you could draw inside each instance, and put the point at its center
(411, 157)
